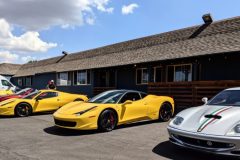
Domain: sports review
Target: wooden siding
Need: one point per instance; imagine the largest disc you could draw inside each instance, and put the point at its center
(188, 94)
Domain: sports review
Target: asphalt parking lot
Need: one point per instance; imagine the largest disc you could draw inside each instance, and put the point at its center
(36, 137)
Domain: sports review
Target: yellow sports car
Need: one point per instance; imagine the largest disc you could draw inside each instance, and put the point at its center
(109, 109)
(38, 101)
(5, 92)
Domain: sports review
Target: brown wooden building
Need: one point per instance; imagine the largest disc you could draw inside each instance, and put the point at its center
(186, 64)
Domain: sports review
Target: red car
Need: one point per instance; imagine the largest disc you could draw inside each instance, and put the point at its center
(19, 94)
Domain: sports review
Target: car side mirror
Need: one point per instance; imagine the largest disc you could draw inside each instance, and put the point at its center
(38, 98)
(127, 102)
(205, 100)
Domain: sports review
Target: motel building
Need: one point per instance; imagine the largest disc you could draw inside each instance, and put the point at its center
(186, 64)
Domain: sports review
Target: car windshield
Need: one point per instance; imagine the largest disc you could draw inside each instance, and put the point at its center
(107, 97)
(226, 98)
(32, 95)
(23, 91)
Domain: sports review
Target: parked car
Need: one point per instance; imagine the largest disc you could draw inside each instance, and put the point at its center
(38, 101)
(19, 94)
(111, 108)
(6, 92)
(213, 127)
(5, 84)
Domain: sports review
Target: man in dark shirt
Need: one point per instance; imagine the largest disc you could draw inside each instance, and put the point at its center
(51, 85)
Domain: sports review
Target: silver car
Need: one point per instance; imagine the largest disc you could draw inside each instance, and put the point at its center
(213, 127)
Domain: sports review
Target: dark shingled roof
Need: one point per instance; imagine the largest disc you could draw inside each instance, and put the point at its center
(218, 37)
(9, 69)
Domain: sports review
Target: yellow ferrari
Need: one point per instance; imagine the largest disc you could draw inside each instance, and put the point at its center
(5, 92)
(38, 101)
(109, 109)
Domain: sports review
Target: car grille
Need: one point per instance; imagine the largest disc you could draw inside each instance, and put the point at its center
(204, 143)
(65, 123)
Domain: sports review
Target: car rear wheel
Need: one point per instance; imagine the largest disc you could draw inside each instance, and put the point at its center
(165, 112)
(23, 110)
(107, 121)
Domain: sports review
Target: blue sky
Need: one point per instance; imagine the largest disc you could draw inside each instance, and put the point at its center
(110, 26)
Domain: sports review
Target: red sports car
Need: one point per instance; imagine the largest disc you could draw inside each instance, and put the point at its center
(19, 94)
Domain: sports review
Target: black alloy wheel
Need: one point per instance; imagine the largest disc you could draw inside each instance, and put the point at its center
(23, 110)
(107, 121)
(165, 112)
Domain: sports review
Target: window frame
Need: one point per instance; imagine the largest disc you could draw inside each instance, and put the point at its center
(90, 77)
(29, 81)
(68, 79)
(136, 76)
(20, 79)
(174, 71)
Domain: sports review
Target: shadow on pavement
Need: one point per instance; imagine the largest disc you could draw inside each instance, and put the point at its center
(54, 130)
(170, 151)
(34, 114)
(137, 124)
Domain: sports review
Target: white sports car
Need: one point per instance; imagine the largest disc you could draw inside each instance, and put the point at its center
(213, 127)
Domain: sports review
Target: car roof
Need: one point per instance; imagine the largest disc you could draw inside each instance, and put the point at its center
(233, 89)
(125, 90)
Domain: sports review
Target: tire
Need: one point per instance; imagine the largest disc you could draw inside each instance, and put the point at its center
(107, 121)
(165, 112)
(23, 110)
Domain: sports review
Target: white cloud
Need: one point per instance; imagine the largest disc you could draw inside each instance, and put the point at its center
(27, 42)
(42, 14)
(129, 9)
(7, 57)
(90, 21)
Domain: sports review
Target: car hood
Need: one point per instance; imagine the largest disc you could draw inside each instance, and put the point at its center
(75, 107)
(8, 101)
(216, 120)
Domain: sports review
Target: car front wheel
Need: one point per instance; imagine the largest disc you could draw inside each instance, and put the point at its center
(23, 110)
(107, 121)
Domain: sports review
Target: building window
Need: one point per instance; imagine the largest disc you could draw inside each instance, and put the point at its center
(158, 74)
(28, 81)
(142, 76)
(82, 77)
(179, 73)
(63, 79)
(20, 82)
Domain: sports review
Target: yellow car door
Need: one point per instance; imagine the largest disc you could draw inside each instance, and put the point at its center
(133, 107)
(47, 101)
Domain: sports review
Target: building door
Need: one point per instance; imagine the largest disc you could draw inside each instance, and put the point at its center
(105, 78)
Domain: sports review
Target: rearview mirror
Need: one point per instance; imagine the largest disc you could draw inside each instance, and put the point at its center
(205, 100)
(128, 102)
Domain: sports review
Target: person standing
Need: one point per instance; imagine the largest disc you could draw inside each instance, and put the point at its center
(51, 85)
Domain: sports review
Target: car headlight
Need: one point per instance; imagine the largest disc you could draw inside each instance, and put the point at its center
(235, 131)
(178, 120)
(82, 112)
(237, 128)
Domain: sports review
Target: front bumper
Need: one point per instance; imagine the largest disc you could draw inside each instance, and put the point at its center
(74, 122)
(222, 145)
(6, 111)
